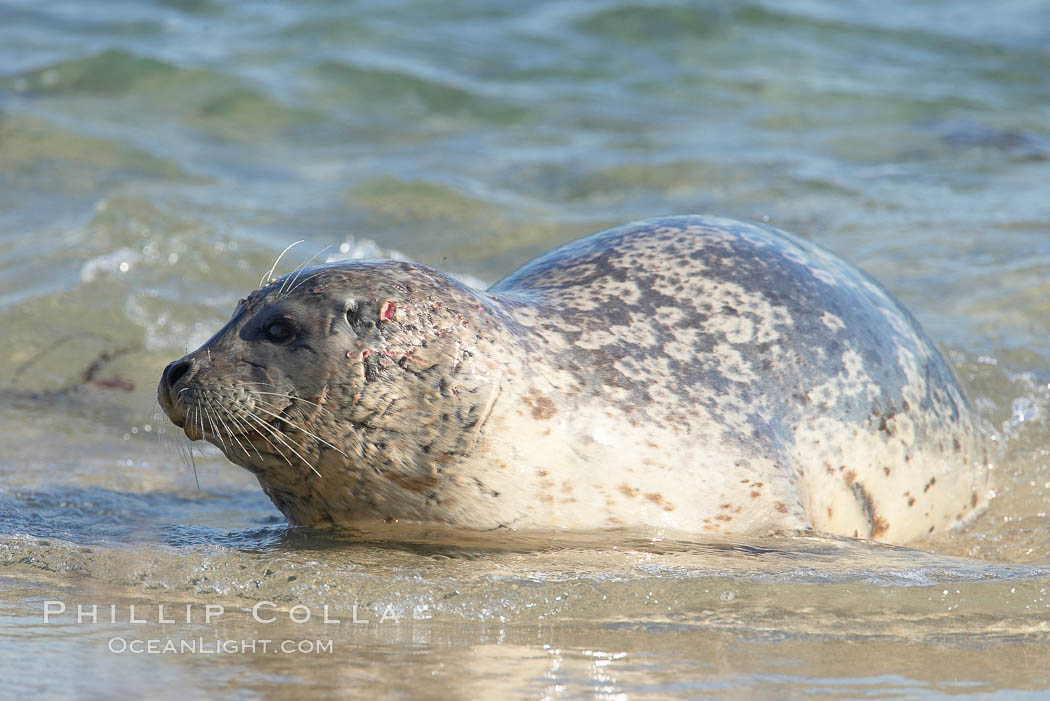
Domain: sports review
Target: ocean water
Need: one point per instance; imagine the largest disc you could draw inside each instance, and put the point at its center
(156, 157)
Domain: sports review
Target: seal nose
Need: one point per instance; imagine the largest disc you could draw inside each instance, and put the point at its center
(174, 372)
(168, 395)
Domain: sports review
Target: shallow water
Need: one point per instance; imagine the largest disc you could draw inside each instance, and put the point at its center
(155, 157)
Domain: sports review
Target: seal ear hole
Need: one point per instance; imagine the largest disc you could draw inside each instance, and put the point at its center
(356, 319)
(353, 315)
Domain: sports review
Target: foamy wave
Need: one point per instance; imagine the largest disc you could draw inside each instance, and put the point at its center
(354, 249)
(114, 263)
(363, 249)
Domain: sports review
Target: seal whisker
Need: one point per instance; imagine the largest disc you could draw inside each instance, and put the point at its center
(269, 275)
(230, 433)
(196, 478)
(215, 431)
(287, 287)
(299, 399)
(302, 283)
(321, 399)
(280, 435)
(200, 417)
(292, 287)
(243, 429)
(273, 386)
(283, 395)
(180, 441)
(300, 428)
(259, 424)
(249, 428)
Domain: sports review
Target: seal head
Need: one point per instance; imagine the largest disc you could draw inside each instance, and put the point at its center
(342, 387)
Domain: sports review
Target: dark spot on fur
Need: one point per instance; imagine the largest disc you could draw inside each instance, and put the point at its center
(885, 427)
(542, 407)
(413, 484)
(876, 524)
(879, 528)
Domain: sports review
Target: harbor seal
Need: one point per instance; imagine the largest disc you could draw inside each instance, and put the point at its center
(687, 373)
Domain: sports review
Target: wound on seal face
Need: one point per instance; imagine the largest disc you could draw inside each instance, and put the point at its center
(689, 373)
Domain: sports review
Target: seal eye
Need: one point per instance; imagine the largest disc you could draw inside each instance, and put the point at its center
(279, 331)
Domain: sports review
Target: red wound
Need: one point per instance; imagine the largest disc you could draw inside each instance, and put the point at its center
(386, 312)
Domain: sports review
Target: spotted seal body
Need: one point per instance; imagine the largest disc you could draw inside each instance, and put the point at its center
(690, 373)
